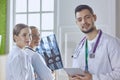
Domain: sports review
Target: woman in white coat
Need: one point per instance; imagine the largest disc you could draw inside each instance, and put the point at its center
(18, 63)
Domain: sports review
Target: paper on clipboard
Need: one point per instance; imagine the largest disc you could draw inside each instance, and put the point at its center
(73, 71)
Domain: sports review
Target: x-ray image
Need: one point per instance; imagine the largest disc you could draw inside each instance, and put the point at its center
(49, 49)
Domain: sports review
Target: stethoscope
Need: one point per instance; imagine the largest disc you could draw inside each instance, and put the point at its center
(91, 55)
(30, 49)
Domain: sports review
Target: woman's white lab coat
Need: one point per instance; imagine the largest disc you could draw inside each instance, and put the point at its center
(18, 65)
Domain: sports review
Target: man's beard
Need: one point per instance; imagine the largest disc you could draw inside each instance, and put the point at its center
(90, 30)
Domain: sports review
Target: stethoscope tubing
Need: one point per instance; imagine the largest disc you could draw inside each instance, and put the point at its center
(82, 42)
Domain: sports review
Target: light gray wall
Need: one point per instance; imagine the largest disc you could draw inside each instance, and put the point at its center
(104, 9)
(66, 12)
(118, 18)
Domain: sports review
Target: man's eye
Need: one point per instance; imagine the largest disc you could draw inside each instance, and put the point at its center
(24, 35)
(79, 20)
(88, 17)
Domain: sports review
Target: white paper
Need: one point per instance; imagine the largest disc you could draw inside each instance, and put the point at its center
(73, 71)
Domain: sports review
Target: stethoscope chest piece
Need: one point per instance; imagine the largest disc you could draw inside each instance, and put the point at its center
(92, 55)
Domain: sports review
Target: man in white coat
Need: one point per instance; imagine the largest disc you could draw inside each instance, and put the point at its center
(42, 72)
(97, 54)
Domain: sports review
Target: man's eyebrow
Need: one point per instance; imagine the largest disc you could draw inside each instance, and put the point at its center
(78, 18)
(87, 15)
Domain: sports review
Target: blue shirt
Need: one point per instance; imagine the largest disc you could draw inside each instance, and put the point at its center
(39, 65)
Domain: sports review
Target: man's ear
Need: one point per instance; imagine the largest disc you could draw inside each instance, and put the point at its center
(76, 22)
(95, 17)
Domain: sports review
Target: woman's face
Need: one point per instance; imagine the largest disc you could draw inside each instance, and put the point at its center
(24, 37)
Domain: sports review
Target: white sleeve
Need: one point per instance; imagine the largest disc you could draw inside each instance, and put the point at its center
(18, 67)
(43, 72)
(114, 57)
(75, 63)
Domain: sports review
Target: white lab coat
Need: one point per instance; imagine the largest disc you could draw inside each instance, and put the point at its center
(39, 65)
(18, 65)
(106, 64)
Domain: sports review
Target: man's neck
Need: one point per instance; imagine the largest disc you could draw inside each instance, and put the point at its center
(32, 47)
(92, 35)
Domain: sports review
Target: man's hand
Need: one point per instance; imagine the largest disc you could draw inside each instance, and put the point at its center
(86, 76)
(75, 77)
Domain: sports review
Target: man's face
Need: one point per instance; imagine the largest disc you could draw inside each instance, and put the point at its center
(85, 20)
(35, 37)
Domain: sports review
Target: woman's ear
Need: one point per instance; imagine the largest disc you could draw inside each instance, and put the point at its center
(15, 38)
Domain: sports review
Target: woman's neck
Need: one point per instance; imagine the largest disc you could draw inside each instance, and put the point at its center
(21, 47)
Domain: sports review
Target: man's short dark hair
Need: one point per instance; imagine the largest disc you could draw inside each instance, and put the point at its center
(82, 7)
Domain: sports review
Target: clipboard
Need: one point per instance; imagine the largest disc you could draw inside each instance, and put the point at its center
(74, 71)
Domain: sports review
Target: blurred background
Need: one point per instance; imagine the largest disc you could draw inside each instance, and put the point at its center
(54, 16)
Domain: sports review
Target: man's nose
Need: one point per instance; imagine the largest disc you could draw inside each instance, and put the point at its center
(83, 21)
(38, 37)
